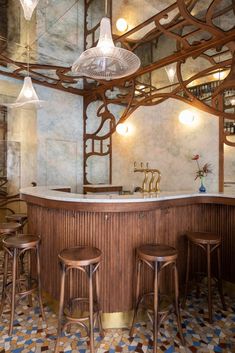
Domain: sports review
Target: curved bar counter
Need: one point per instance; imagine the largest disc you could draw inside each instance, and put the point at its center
(117, 225)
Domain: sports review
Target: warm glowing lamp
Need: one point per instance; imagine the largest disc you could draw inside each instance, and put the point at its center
(171, 70)
(122, 129)
(28, 98)
(220, 75)
(121, 25)
(186, 117)
(106, 61)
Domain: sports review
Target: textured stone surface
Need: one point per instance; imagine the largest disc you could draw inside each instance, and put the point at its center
(156, 136)
(60, 141)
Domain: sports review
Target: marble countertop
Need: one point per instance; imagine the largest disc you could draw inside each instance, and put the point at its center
(49, 193)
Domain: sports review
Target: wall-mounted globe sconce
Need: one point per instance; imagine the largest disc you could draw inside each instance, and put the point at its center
(187, 117)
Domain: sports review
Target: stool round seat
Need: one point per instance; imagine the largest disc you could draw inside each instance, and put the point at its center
(204, 238)
(11, 227)
(210, 243)
(157, 257)
(80, 256)
(21, 241)
(74, 260)
(17, 217)
(157, 252)
(15, 246)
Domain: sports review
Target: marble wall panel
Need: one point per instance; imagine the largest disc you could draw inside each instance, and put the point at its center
(229, 161)
(61, 163)
(59, 130)
(156, 136)
(22, 130)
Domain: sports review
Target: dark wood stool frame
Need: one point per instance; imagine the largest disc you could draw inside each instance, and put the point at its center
(157, 264)
(20, 218)
(91, 269)
(209, 243)
(14, 250)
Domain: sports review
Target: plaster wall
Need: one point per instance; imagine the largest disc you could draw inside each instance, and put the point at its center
(21, 136)
(229, 164)
(156, 136)
(60, 139)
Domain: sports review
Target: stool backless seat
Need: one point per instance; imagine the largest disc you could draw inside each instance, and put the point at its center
(14, 247)
(210, 243)
(157, 257)
(85, 259)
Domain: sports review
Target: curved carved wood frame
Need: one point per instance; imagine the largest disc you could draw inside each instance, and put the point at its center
(174, 23)
(134, 93)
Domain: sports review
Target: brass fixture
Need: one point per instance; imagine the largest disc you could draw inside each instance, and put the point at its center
(152, 184)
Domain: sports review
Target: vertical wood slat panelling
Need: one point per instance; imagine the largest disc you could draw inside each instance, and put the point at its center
(118, 235)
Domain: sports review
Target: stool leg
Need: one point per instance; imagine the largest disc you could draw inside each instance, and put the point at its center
(39, 284)
(187, 274)
(61, 307)
(220, 285)
(14, 269)
(209, 282)
(155, 308)
(98, 302)
(177, 305)
(4, 283)
(137, 296)
(29, 276)
(91, 319)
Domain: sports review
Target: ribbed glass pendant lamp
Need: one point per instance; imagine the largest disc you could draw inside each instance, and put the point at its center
(105, 61)
(28, 8)
(27, 98)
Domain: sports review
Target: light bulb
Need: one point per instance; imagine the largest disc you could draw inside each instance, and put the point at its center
(219, 75)
(28, 93)
(122, 129)
(186, 117)
(28, 2)
(105, 47)
(121, 25)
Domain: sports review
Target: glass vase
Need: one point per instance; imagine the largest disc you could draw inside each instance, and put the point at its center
(202, 187)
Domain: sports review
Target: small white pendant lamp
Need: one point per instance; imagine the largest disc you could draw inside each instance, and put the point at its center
(171, 70)
(28, 8)
(105, 61)
(28, 98)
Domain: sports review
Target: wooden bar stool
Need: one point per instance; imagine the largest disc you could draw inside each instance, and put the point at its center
(85, 259)
(21, 218)
(157, 257)
(10, 228)
(14, 246)
(209, 243)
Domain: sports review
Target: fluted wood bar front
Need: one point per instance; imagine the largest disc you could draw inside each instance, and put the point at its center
(118, 225)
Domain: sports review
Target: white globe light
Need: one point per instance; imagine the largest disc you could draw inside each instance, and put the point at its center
(121, 25)
(122, 129)
(186, 117)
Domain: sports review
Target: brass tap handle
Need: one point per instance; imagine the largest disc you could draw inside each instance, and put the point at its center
(141, 165)
(151, 182)
(145, 181)
(157, 187)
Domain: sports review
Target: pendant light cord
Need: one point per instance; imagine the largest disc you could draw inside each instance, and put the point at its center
(106, 8)
(28, 48)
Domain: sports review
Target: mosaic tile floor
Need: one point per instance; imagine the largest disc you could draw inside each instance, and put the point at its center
(31, 334)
